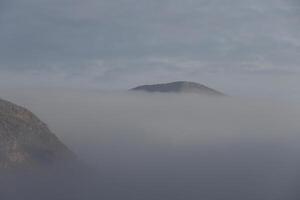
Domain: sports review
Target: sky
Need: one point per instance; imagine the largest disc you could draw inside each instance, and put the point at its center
(246, 48)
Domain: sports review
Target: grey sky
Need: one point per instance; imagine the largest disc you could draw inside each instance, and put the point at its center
(236, 46)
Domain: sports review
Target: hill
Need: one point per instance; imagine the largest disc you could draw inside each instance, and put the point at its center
(179, 87)
(26, 141)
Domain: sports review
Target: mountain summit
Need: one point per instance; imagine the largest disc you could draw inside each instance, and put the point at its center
(26, 141)
(179, 87)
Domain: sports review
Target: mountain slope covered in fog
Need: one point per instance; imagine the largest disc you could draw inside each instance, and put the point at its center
(179, 87)
(26, 141)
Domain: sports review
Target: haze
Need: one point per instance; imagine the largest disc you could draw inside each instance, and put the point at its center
(172, 146)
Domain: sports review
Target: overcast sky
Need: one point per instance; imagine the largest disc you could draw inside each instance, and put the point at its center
(249, 47)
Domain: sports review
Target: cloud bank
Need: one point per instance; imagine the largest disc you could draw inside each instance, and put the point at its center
(155, 146)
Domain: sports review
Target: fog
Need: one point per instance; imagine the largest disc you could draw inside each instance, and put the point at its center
(163, 146)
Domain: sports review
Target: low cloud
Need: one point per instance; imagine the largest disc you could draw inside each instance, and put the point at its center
(146, 146)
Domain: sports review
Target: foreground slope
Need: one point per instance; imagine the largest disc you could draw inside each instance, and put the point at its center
(27, 141)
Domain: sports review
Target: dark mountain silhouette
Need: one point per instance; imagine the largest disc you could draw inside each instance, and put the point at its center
(26, 141)
(179, 87)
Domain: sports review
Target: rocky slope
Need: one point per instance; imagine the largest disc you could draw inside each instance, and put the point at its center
(26, 141)
(179, 87)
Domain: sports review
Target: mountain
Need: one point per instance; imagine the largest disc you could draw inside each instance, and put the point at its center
(179, 87)
(26, 141)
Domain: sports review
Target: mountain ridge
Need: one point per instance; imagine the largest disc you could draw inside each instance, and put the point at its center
(179, 87)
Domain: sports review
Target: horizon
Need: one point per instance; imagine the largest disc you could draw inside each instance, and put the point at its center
(245, 48)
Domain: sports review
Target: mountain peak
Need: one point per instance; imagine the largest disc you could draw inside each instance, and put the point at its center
(179, 87)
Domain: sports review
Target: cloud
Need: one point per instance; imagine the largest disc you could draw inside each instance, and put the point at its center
(120, 44)
(159, 146)
(41, 33)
